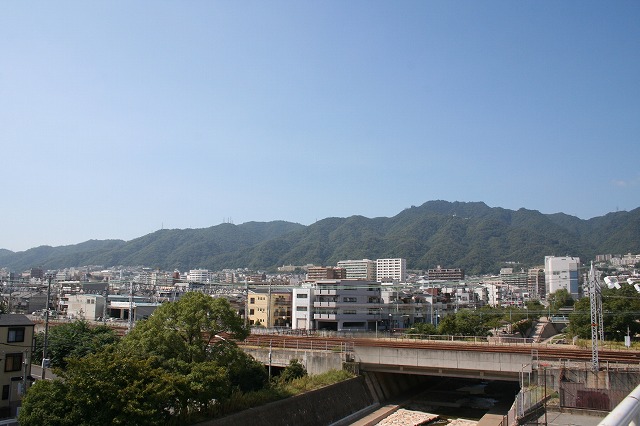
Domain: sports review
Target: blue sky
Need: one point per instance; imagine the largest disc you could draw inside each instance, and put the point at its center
(118, 118)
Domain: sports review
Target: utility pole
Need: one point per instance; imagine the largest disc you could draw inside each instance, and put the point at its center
(246, 303)
(45, 360)
(269, 307)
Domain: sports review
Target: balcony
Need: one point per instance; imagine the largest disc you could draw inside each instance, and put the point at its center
(324, 304)
(327, 292)
(324, 316)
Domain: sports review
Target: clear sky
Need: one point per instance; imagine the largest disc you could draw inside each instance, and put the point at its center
(118, 118)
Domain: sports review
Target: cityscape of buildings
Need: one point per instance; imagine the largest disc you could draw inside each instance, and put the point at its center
(361, 294)
(354, 295)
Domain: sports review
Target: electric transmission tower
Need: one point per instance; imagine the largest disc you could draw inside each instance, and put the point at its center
(597, 327)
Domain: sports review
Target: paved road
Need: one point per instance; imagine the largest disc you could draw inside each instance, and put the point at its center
(36, 371)
(566, 419)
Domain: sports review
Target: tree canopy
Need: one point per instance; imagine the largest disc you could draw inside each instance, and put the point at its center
(75, 339)
(621, 311)
(173, 368)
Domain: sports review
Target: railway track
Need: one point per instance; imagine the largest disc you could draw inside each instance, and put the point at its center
(544, 352)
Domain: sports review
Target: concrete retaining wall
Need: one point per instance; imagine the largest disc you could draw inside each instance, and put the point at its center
(316, 362)
(320, 407)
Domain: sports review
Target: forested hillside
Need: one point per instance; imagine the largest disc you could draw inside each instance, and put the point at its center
(472, 236)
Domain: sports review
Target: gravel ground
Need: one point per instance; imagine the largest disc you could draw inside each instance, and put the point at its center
(404, 417)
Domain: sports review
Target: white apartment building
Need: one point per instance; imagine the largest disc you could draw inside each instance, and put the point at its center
(337, 305)
(495, 292)
(391, 270)
(562, 273)
(199, 276)
(364, 269)
(302, 308)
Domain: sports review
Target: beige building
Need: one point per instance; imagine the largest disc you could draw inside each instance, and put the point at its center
(269, 308)
(85, 306)
(364, 269)
(16, 341)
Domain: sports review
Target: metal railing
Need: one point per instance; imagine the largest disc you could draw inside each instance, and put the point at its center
(627, 413)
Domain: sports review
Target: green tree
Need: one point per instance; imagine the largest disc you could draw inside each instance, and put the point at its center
(245, 373)
(294, 370)
(171, 369)
(75, 339)
(47, 403)
(422, 329)
(183, 331)
(447, 325)
(534, 307)
(465, 322)
(621, 311)
(107, 388)
(560, 299)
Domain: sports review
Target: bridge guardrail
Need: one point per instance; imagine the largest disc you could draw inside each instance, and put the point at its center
(390, 335)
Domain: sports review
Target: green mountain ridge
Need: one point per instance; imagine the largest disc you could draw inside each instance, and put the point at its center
(472, 236)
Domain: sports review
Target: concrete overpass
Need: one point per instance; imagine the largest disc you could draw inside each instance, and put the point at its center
(452, 360)
(449, 362)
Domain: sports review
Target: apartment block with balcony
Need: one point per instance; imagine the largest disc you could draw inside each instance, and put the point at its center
(316, 273)
(270, 308)
(346, 305)
(445, 274)
(364, 269)
(391, 270)
(16, 342)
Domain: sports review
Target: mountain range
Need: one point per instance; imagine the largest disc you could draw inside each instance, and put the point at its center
(472, 236)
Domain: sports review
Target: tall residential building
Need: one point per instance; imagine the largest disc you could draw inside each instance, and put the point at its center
(562, 273)
(316, 273)
(391, 270)
(536, 283)
(364, 269)
(516, 284)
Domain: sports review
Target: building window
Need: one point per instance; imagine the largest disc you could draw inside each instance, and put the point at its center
(301, 308)
(349, 299)
(251, 312)
(349, 312)
(16, 335)
(302, 295)
(5, 392)
(252, 300)
(13, 362)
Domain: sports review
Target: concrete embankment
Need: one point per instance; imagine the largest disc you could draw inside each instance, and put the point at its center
(320, 407)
